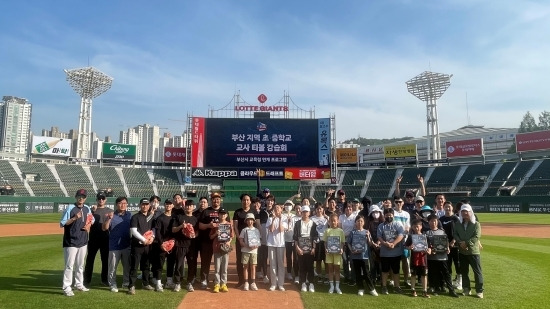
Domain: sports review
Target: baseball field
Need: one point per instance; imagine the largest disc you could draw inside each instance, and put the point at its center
(516, 248)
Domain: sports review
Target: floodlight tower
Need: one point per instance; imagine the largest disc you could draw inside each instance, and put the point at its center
(429, 87)
(88, 83)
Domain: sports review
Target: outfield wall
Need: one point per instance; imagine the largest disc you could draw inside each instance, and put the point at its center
(504, 204)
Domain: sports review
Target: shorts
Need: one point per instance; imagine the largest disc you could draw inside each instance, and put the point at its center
(392, 263)
(334, 258)
(249, 258)
(419, 271)
(320, 251)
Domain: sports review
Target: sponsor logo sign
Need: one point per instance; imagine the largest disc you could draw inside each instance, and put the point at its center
(119, 151)
(346, 155)
(533, 141)
(51, 146)
(464, 148)
(175, 154)
(400, 152)
(305, 173)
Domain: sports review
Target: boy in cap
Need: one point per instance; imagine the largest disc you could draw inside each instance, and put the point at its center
(140, 228)
(221, 258)
(75, 221)
(249, 239)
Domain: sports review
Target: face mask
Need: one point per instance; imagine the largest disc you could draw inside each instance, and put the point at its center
(389, 219)
(376, 215)
(288, 208)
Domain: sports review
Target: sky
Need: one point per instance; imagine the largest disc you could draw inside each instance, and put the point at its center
(350, 59)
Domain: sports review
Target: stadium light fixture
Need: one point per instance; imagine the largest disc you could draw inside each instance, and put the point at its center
(89, 83)
(429, 87)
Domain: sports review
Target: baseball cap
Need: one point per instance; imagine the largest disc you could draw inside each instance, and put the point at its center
(222, 211)
(266, 190)
(409, 193)
(288, 202)
(419, 198)
(215, 194)
(168, 201)
(341, 192)
(304, 208)
(250, 216)
(100, 195)
(144, 201)
(81, 192)
(356, 200)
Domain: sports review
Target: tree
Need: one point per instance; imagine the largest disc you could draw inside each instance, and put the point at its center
(544, 121)
(528, 124)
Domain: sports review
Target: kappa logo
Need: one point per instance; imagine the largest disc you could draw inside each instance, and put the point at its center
(215, 173)
(198, 173)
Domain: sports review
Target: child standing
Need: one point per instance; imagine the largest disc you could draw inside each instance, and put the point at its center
(334, 257)
(437, 260)
(250, 242)
(419, 260)
(221, 237)
(321, 220)
(359, 241)
(276, 226)
(305, 233)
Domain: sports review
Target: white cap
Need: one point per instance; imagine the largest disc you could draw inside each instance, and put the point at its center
(304, 208)
(287, 202)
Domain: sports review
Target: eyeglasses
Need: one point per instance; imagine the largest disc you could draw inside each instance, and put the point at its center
(101, 198)
(81, 196)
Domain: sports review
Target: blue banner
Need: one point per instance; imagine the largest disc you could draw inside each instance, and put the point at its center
(324, 142)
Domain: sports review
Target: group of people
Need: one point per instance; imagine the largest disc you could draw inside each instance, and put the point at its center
(332, 242)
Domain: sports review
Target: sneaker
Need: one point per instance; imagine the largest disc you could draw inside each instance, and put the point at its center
(311, 288)
(224, 288)
(204, 284)
(304, 287)
(425, 294)
(397, 290)
(281, 288)
(132, 291)
(360, 292)
(480, 295)
(466, 292)
(245, 286)
(331, 289)
(190, 287)
(266, 280)
(159, 288)
(216, 288)
(453, 293)
(114, 289)
(288, 276)
(253, 286)
(413, 293)
(69, 293)
(177, 287)
(385, 290)
(338, 291)
(373, 293)
(82, 289)
(148, 287)
(297, 280)
(408, 283)
(272, 288)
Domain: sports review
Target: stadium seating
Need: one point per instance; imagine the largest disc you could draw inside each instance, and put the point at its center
(442, 178)
(381, 183)
(410, 180)
(539, 181)
(10, 177)
(107, 177)
(73, 178)
(500, 177)
(474, 178)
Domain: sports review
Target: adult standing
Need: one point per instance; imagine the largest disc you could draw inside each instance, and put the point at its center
(76, 225)
(139, 248)
(404, 218)
(467, 234)
(390, 234)
(185, 227)
(440, 205)
(209, 219)
(98, 241)
(409, 204)
(276, 227)
(163, 232)
(118, 225)
(239, 223)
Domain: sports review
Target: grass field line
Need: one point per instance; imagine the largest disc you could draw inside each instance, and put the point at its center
(517, 245)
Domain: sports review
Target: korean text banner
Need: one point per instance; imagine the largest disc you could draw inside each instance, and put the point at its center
(119, 151)
(346, 155)
(51, 146)
(234, 142)
(174, 154)
(401, 151)
(197, 142)
(533, 141)
(464, 148)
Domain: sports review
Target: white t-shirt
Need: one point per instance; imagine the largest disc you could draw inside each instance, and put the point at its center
(290, 219)
(348, 223)
(275, 238)
(403, 217)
